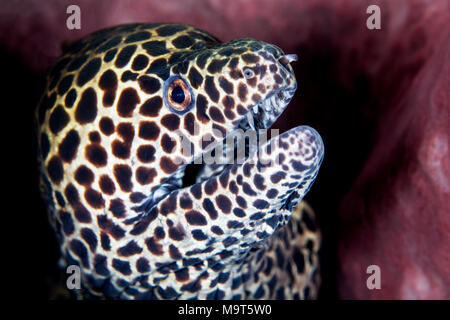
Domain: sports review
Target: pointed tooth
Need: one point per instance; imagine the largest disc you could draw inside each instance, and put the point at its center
(255, 109)
(250, 120)
(273, 101)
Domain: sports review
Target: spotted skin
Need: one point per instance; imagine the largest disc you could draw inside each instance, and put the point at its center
(112, 167)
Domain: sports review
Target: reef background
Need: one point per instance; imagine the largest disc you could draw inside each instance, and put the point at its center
(379, 98)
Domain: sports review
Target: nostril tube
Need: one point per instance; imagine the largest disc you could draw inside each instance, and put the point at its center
(288, 58)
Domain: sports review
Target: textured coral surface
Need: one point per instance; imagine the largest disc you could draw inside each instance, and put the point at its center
(379, 98)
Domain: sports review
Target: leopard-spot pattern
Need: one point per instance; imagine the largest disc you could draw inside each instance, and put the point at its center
(114, 173)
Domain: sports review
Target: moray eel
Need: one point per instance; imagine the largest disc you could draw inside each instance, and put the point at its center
(127, 119)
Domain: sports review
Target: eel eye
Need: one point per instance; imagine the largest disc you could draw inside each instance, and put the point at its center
(249, 73)
(178, 95)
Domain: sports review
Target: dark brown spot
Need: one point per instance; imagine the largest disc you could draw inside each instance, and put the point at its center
(195, 78)
(250, 58)
(89, 71)
(182, 42)
(127, 102)
(189, 124)
(211, 186)
(148, 130)
(241, 110)
(145, 175)
(154, 247)
(86, 110)
(120, 149)
(159, 233)
(278, 79)
(94, 137)
(171, 122)
(174, 253)
(131, 248)
(185, 202)
(146, 153)
(167, 165)
(155, 48)
(106, 126)
(55, 169)
(182, 275)
(242, 92)
(210, 208)
(124, 56)
(139, 62)
(252, 82)
(216, 65)
(96, 155)
(82, 214)
(226, 85)
(71, 96)
(236, 74)
(277, 177)
(224, 203)
(233, 63)
(108, 80)
(148, 84)
(224, 177)
(169, 205)
(228, 102)
(122, 173)
(151, 107)
(195, 218)
(106, 184)
(84, 176)
(229, 114)
(126, 131)
(256, 97)
(202, 103)
(177, 233)
(71, 194)
(68, 147)
(216, 114)
(167, 143)
(211, 89)
(58, 119)
(94, 198)
(108, 98)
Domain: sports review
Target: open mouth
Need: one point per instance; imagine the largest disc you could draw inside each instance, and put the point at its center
(259, 117)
